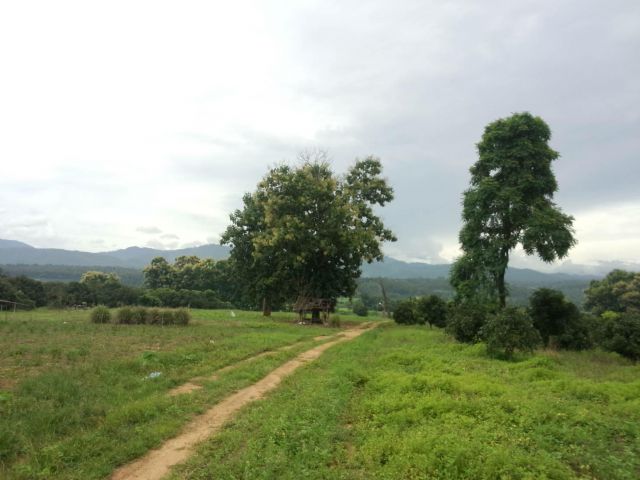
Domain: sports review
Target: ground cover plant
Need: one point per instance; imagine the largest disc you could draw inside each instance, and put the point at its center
(78, 398)
(409, 402)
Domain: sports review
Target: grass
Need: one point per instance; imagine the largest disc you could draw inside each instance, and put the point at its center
(75, 397)
(407, 402)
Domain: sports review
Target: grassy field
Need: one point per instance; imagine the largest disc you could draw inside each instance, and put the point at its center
(408, 403)
(396, 403)
(75, 397)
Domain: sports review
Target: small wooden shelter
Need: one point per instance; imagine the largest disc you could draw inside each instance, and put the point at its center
(320, 309)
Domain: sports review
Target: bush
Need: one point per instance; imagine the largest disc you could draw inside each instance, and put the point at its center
(554, 316)
(139, 315)
(154, 316)
(334, 321)
(508, 331)
(578, 333)
(620, 333)
(100, 314)
(432, 310)
(465, 321)
(404, 313)
(125, 316)
(360, 309)
(182, 316)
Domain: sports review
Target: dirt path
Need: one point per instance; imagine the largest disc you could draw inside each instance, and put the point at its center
(157, 463)
(196, 383)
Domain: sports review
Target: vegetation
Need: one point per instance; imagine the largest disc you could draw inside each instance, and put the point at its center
(360, 309)
(100, 314)
(432, 310)
(619, 291)
(620, 333)
(406, 402)
(552, 314)
(465, 321)
(405, 313)
(508, 331)
(306, 232)
(509, 202)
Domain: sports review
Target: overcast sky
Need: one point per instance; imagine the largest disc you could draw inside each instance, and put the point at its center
(143, 123)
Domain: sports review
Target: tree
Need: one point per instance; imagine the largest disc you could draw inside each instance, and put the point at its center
(509, 330)
(551, 313)
(405, 313)
(620, 333)
(158, 274)
(509, 202)
(305, 232)
(432, 310)
(619, 291)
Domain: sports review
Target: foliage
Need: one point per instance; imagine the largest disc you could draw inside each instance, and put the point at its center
(404, 312)
(509, 202)
(432, 309)
(407, 403)
(552, 314)
(152, 316)
(465, 321)
(100, 314)
(306, 232)
(510, 330)
(359, 308)
(619, 291)
(579, 333)
(620, 333)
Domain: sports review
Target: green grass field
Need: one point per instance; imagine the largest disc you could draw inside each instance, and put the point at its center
(397, 403)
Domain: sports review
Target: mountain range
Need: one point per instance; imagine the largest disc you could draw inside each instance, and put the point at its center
(15, 253)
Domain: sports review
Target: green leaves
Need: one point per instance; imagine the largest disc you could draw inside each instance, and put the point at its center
(305, 231)
(508, 203)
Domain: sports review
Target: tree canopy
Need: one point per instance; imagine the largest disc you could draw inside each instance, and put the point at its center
(619, 291)
(306, 232)
(509, 203)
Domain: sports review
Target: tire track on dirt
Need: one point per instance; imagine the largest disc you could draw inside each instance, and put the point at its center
(157, 463)
(196, 383)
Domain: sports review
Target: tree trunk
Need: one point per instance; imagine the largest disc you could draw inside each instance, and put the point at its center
(266, 307)
(385, 304)
(502, 290)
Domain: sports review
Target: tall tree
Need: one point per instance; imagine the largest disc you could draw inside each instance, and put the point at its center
(305, 231)
(509, 202)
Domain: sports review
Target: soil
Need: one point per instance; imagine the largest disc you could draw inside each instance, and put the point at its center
(157, 463)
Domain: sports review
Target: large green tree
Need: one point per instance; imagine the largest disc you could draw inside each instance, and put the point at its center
(509, 202)
(305, 232)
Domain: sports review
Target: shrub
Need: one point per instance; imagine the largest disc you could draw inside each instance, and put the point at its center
(100, 314)
(509, 330)
(620, 333)
(334, 321)
(154, 316)
(404, 313)
(578, 333)
(553, 315)
(432, 310)
(360, 309)
(124, 316)
(465, 321)
(139, 315)
(182, 316)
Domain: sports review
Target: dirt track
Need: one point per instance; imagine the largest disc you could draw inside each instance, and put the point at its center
(157, 463)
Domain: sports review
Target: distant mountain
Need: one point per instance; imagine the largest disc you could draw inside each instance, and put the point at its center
(17, 253)
(13, 244)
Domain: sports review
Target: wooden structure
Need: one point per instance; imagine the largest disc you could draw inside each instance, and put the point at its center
(320, 309)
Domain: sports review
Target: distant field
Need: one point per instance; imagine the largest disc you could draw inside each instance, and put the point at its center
(395, 403)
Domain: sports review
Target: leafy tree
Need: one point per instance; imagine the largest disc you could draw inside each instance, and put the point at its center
(620, 333)
(404, 313)
(551, 313)
(359, 308)
(509, 202)
(432, 310)
(465, 321)
(158, 273)
(619, 291)
(509, 330)
(305, 232)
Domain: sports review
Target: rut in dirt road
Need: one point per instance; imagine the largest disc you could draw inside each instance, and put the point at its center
(157, 463)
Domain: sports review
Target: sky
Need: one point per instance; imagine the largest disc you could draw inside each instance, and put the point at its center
(143, 123)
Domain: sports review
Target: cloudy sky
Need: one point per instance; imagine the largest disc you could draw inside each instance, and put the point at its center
(142, 123)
